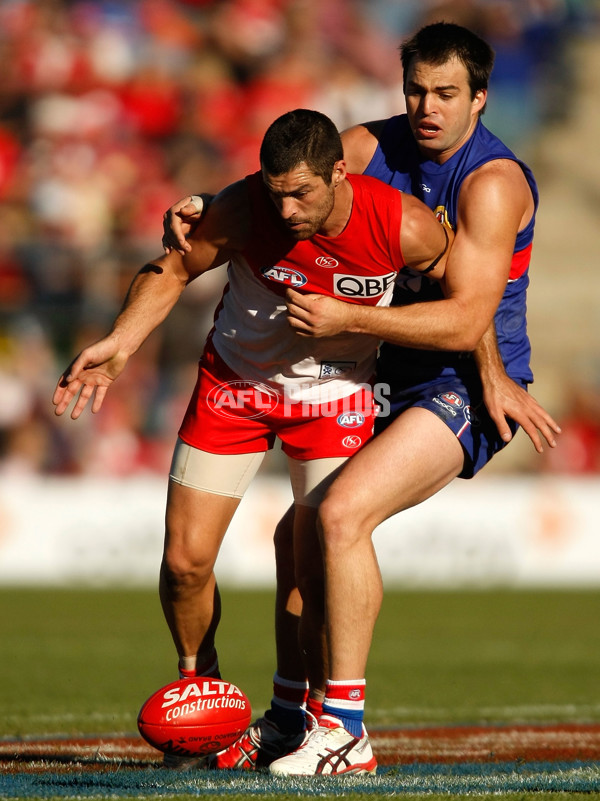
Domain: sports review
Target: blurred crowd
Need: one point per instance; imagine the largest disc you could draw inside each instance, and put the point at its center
(110, 110)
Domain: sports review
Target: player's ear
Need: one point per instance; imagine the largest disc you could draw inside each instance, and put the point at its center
(339, 172)
(479, 100)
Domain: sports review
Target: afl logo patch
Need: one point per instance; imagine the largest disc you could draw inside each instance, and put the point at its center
(351, 419)
(284, 275)
(351, 441)
(326, 261)
(453, 399)
(247, 399)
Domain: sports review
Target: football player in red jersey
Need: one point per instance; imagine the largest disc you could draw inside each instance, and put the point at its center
(275, 228)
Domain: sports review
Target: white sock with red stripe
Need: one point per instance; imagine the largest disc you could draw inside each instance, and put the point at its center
(345, 701)
(189, 667)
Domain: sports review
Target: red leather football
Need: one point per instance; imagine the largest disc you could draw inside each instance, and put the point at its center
(193, 717)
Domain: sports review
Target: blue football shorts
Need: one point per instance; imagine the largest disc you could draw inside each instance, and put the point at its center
(460, 405)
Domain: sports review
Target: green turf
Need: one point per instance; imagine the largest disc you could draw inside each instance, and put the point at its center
(82, 662)
(486, 656)
(360, 796)
(503, 780)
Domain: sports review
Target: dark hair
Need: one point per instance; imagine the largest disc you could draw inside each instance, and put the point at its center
(301, 135)
(441, 41)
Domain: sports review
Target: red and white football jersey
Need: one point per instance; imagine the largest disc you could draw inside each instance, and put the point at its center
(251, 332)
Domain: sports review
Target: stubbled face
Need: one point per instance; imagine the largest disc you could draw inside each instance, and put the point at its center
(303, 200)
(441, 111)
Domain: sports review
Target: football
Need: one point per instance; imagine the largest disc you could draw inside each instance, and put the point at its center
(194, 717)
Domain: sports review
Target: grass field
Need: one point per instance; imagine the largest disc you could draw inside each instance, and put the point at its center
(81, 663)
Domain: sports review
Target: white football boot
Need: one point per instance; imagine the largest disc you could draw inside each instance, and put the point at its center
(328, 750)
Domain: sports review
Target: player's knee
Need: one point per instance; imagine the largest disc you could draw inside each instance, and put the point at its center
(340, 523)
(186, 567)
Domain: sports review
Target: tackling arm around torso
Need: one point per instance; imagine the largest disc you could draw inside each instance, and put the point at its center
(476, 273)
(425, 246)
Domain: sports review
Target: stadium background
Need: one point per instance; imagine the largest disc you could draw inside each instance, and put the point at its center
(111, 110)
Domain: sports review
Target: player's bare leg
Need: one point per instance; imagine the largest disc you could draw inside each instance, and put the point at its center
(301, 651)
(196, 522)
(413, 459)
(281, 728)
(409, 462)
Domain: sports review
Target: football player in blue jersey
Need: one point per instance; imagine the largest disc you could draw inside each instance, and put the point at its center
(456, 362)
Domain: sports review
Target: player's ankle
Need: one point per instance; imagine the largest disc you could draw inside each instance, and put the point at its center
(345, 701)
(287, 704)
(314, 706)
(288, 721)
(190, 666)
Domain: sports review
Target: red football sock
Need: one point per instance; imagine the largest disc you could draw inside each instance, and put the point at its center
(314, 706)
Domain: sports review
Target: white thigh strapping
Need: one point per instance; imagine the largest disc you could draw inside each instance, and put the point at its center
(311, 478)
(219, 473)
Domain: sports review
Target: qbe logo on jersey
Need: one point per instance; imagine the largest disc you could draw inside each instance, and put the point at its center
(362, 286)
(248, 399)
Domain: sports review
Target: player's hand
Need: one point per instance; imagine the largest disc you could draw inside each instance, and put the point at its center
(317, 315)
(179, 221)
(504, 398)
(88, 376)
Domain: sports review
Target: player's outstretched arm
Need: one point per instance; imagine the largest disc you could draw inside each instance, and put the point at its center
(504, 398)
(88, 377)
(151, 296)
